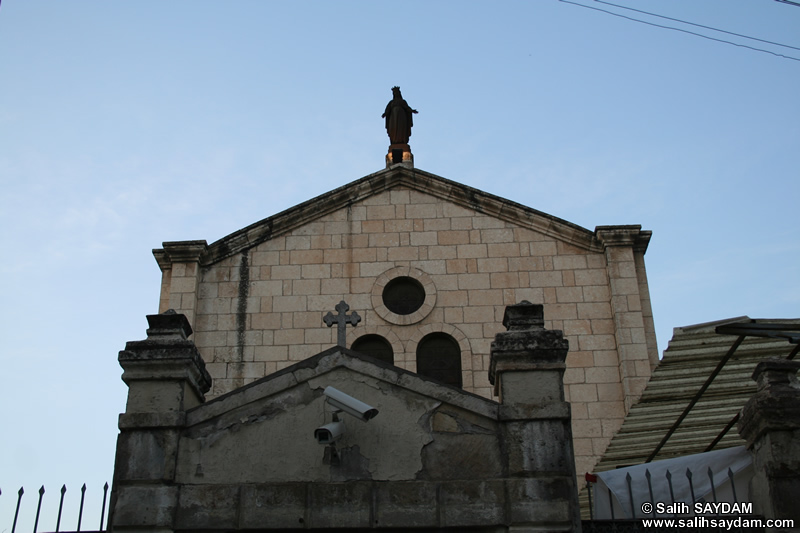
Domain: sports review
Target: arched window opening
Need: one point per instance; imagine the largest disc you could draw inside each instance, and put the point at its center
(374, 346)
(439, 358)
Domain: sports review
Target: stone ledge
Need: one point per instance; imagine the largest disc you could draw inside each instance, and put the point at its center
(559, 410)
(139, 421)
(624, 235)
(492, 503)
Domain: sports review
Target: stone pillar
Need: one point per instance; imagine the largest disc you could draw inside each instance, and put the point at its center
(526, 368)
(180, 275)
(770, 424)
(638, 354)
(165, 376)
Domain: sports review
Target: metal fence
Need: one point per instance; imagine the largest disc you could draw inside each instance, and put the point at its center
(635, 509)
(636, 525)
(42, 491)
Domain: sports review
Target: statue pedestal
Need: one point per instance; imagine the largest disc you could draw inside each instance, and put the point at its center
(400, 154)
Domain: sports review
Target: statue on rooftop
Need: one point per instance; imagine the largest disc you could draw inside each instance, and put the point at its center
(399, 118)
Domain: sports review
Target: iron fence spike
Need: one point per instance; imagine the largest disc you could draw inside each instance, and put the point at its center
(60, 507)
(650, 490)
(16, 513)
(669, 482)
(711, 479)
(610, 504)
(80, 510)
(630, 494)
(691, 485)
(103, 512)
(38, 509)
(733, 486)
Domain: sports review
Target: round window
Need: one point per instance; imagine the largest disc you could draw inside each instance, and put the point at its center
(403, 295)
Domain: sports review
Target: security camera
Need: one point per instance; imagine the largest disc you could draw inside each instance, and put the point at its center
(348, 404)
(329, 433)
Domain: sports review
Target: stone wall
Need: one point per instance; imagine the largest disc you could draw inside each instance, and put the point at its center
(256, 298)
(434, 457)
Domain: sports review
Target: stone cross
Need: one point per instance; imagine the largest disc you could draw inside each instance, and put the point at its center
(341, 319)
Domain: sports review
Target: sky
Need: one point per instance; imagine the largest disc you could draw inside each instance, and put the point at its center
(127, 124)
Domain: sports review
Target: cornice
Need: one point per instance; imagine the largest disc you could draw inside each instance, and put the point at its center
(624, 235)
(390, 178)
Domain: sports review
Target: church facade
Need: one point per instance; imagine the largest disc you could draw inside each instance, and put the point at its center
(429, 265)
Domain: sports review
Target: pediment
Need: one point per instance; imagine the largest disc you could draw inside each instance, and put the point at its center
(265, 431)
(385, 180)
(346, 362)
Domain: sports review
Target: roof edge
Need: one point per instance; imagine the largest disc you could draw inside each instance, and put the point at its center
(329, 360)
(415, 179)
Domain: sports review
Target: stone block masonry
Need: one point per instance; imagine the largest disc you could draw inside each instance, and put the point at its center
(256, 298)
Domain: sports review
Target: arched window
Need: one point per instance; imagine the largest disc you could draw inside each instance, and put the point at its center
(374, 346)
(439, 358)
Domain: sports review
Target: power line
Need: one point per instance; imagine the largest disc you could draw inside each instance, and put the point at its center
(790, 2)
(700, 25)
(680, 30)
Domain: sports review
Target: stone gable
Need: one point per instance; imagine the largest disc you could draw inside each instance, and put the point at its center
(256, 298)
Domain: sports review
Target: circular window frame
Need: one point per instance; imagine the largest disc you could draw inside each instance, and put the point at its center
(400, 272)
(411, 293)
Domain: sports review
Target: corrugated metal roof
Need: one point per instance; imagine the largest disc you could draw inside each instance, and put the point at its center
(692, 355)
(690, 358)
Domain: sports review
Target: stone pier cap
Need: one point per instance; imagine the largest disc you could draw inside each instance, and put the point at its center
(527, 345)
(774, 407)
(166, 354)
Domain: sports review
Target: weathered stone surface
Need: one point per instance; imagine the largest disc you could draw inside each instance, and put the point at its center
(460, 455)
(544, 502)
(406, 504)
(146, 455)
(436, 456)
(539, 447)
(774, 406)
(166, 355)
(279, 505)
(208, 507)
(770, 423)
(146, 506)
(467, 503)
(528, 346)
(332, 505)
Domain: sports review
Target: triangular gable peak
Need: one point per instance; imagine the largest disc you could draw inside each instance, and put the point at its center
(385, 180)
(280, 412)
(361, 367)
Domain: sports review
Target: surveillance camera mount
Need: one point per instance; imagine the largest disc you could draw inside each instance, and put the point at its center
(328, 434)
(352, 406)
